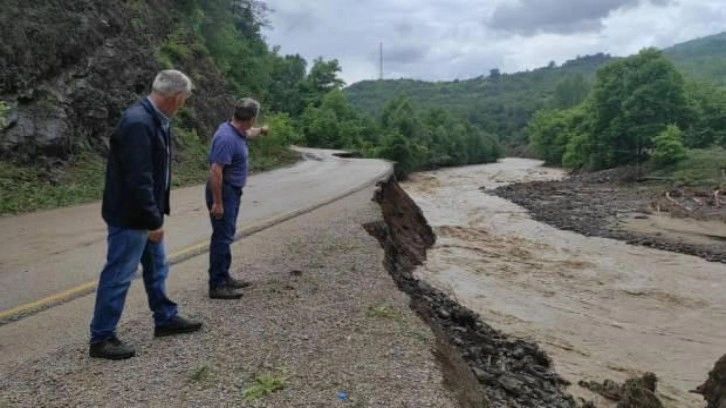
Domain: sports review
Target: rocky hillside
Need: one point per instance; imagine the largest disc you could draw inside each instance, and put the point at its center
(69, 68)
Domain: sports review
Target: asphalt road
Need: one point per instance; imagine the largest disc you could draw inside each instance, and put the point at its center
(49, 255)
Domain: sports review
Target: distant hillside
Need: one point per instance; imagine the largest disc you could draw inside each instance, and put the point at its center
(703, 58)
(504, 103)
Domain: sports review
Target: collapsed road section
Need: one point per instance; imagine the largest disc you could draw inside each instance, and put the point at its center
(484, 367)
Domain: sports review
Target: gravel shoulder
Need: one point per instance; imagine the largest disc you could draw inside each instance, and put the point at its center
(323, 316)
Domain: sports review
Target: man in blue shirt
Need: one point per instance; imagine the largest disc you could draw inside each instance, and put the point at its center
(135, 200)
(229, 161)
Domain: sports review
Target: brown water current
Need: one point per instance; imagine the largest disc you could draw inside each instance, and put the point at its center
(601, 308)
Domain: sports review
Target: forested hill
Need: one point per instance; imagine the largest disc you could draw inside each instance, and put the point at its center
(703, 58)
(504, 103)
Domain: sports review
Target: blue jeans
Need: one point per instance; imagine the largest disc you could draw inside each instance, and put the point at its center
(126, 248)
(223, 231)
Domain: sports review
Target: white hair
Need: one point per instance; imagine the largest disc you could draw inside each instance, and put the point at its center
(171, 82)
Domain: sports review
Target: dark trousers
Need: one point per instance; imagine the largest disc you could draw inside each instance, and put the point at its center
(223, 231)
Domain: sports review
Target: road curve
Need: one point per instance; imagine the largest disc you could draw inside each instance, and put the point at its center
(51, 255)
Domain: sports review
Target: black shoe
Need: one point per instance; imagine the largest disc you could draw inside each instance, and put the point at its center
(224, 292)
(111, 349)
(177, 325)
(238, 283)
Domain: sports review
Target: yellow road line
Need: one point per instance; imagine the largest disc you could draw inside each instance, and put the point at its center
(76, 291)
(176, 257)
(60, 296)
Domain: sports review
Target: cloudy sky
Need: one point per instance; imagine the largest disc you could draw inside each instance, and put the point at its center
(448, 39)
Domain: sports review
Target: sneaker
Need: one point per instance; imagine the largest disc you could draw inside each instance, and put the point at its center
(238, 283)
(177, 325)
(111, 349)
(224, 292)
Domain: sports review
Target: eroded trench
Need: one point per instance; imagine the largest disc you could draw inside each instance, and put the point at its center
(482, 366)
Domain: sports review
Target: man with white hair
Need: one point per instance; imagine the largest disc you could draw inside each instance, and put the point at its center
(135, 199)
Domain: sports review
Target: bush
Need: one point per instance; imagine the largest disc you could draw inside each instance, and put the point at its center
(668, 147)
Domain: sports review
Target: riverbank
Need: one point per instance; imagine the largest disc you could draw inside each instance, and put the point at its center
(602, 309)
(685, 221)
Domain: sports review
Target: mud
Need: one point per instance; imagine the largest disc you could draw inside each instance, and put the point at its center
(714, 389)
(599, 206)
(637, 392)
(498, 370)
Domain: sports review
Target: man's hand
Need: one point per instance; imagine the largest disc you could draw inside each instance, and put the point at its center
(257, 132)
(156, 235)
(217, 211)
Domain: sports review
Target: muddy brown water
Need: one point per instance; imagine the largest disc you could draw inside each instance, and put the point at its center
(601, 308)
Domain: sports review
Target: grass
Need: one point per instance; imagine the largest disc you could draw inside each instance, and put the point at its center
(265, 384)
(383, 311)
(25, 188)
(702, 168)
(28, 188)
(200, 374)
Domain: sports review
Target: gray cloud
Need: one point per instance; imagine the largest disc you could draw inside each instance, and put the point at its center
(529, 17)
(293, 19)
(404, 54)
(403, 28)
(445, 39)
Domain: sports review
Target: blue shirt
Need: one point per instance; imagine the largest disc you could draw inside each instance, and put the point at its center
(229, 148)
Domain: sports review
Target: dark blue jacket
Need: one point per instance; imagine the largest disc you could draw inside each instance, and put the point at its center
(136, 194)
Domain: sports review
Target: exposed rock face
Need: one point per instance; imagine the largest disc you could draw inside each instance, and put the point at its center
(69, 68)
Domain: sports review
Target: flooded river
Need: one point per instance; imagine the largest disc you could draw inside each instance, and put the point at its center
(601, 308)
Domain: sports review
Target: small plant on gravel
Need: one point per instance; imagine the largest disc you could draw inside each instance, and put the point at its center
(264, 384)
(383, 311)
(421, 335)
(200, 373)
(295, 245)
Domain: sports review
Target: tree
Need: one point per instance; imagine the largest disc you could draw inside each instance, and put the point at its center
(668, 147)
(333, 124)
(404, 152)
(286, 82)
(548, 132)
(633, 100)
(323, 78)
(570, 92)
(551, 131)
(709, 106)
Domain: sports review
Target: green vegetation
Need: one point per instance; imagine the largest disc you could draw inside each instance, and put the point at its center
(221, 39)
(500, 104)
(668, 147)
(383, 311)
(591, 112)
(265, 384)
(414, 139)
(702, 58)
(504, 104)
(200, 374)
(640, 110)
(700, 168)
(26, 188)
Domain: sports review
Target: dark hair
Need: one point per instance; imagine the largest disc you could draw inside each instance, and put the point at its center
(246, 109)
